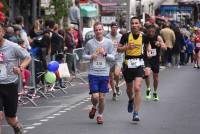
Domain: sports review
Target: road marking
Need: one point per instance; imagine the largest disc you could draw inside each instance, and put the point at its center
(37, 124)
(56, 114)
(44, 120)
(29, 128)
(62, 111)
(50, 117)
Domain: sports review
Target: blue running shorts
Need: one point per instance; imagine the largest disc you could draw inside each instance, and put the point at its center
(98, 84)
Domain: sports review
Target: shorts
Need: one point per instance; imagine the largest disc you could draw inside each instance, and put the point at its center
(196, 50)
(98, 84)
(113, 66)
(154, 64)
(9, 99)
(131, 73)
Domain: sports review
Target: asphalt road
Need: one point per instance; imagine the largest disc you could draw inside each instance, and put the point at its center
(177, 112)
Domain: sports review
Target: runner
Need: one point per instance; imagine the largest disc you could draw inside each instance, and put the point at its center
(116, 66)
(10, 54)
(132, 44)
(153, 63)
(197, 49)
(100, 52)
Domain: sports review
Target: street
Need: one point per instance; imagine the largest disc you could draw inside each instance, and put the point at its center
(177, 111)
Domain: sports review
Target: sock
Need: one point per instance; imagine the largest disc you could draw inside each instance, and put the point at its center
(149, 88)
(100, 115)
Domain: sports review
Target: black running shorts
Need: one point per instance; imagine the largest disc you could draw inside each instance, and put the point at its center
(9, 99)
(131, 73)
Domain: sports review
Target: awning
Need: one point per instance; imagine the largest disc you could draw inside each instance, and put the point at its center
(88, 11)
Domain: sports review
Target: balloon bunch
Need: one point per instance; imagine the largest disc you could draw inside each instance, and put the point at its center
(50, 75)
(2, 16)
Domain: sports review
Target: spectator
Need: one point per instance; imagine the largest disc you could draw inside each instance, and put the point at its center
(74, 14)
(20, 21)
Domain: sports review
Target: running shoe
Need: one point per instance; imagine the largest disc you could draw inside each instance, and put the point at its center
(155, 97)
(148, 94)
(130, 105)
(92, 113)
(135, 117)
(99, 120)
(114, 97)
(18, 129)
(118, 90)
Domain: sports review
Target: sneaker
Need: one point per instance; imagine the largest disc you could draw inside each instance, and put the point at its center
(155, 97)
(92, 113)
(18, 129)
(130, 105)
(118, 90)
(135, 117)
(148, 94)
(195, 66)
(114, 97)
(99, 120)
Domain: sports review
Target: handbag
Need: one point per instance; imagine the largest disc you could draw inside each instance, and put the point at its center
(63, 70)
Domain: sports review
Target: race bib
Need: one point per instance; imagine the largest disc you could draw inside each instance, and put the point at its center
(134, 63)
(99, 63)
(153, 52)
(197, 44)
(3, 72)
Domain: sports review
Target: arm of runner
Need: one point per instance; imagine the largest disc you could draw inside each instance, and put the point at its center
(148, 50)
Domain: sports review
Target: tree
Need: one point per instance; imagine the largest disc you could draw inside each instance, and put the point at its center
(59, 9)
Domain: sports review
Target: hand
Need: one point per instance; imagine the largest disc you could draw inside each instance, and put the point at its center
(16, 70)
(157, 43)
(129, 47)
(94, 56)
(101, 51)
(149, 54)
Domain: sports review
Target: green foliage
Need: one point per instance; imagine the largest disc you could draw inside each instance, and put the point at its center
(5, 8)
(59, 8)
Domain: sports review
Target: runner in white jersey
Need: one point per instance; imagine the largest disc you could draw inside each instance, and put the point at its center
(116, 66)
(100, 52)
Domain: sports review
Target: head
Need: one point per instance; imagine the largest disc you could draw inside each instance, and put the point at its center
(135, 25)
(151, 30)
(17, 29)
(114, 28)
(70, 29)
(19, 20)
(10, 30)
(77, 2)
(98, 30)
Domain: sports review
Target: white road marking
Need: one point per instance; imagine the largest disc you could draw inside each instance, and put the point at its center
(37, 124)
(44, 120)
(28, 128)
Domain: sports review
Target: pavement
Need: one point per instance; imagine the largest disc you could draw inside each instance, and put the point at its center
(175, 113)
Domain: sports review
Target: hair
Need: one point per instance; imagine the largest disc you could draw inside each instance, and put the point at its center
(19, 19)
(135, 18)
(77, 2)
(114, 24)
(151, 26)
(96, 24)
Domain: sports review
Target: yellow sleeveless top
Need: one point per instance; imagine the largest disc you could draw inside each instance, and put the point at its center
(137, 51)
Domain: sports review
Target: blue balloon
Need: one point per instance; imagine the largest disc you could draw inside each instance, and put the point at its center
(53, 66)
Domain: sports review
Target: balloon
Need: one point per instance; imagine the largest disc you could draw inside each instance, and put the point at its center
(53, 66)
(50, 77)
(1, 5)
(2, 16)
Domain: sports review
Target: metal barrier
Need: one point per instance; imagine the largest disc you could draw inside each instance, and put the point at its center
(77, 62)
